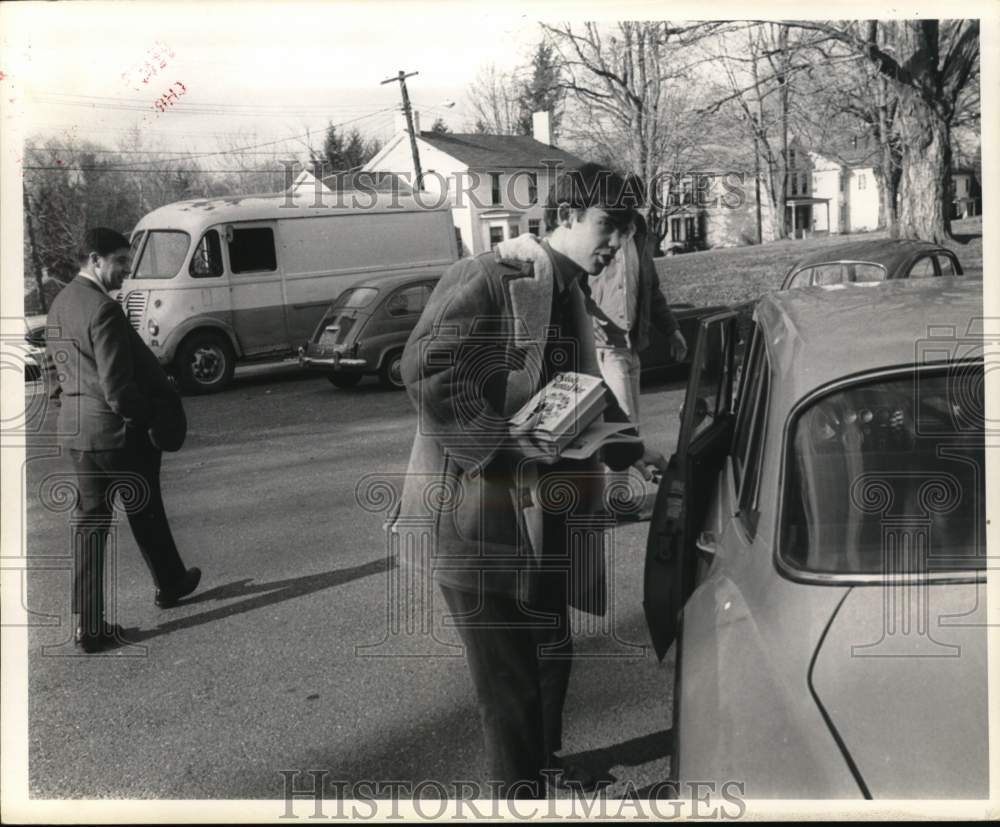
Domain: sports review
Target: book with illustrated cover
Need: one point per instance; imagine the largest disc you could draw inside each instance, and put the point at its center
(562, 409)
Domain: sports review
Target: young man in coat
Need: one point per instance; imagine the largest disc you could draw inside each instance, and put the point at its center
(495, 330)
(118, 410)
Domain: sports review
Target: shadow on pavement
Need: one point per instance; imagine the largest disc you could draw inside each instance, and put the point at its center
(261, 595)
(631, 753)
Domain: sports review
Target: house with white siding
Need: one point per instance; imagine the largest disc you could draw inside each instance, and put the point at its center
(496, 184)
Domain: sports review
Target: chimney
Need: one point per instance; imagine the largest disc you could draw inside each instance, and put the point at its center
(541, 127)
(401, 120)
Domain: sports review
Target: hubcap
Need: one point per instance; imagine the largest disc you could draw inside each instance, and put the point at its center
(207, 364)
(396, 372)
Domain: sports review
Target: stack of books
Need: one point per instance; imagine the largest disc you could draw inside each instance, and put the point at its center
(562, 418)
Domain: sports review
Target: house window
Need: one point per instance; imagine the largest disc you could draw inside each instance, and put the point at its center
(690, 230)
(495, 188)
(843, 182)
(496, 236)
(805, 183)
(686, 188)
(791, 158)
(675, 229)
(514, 230)
(533, 226)
(861, 181)
(793, 181)
(532, 188)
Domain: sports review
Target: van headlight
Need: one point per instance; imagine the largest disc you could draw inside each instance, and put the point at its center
(153, 328)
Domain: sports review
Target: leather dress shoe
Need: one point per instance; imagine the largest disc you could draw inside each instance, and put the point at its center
(108, 636)
(573, 776)
(166, 598)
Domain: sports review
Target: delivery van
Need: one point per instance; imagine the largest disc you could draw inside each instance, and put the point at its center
(220, 281)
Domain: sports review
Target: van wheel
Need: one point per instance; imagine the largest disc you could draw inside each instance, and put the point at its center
(344, 380)
(391, 372)
(205, 363)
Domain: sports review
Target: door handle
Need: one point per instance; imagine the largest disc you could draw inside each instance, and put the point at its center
(707, 543)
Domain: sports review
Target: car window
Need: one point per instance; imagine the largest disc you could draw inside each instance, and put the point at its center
(207, 259)
(162, 255)
(946, 264)
(887, 476)
(922, 268)
(744, 415)
(355, 297)
(251, 250)
(408, 301)
(864, 271)
(828, 274)
(803, 278)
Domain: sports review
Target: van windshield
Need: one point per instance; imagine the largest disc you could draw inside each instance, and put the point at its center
(162, 255)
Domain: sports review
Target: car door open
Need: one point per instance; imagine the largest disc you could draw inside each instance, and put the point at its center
(703, 442)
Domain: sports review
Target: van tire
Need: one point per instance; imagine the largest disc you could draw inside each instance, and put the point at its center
(205, 362)
(344, 380)
(390, 374)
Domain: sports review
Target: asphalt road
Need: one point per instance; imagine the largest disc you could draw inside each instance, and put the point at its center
(283, 658)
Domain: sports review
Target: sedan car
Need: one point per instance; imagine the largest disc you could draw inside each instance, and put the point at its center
(35, 358)
(364, 330)
(873, 261)
(817, 549)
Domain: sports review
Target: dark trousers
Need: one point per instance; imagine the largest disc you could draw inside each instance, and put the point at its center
(520, 659)
(133, 473)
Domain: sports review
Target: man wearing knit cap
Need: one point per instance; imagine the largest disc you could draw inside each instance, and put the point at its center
(119, 411)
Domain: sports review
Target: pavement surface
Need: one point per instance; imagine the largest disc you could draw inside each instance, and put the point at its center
(286, 657)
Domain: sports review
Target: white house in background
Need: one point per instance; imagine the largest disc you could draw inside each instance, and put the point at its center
(496, 184)
(966, 193)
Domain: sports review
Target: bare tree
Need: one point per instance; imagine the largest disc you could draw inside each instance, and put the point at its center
(933, 68)
(627, 84)
(494, 97)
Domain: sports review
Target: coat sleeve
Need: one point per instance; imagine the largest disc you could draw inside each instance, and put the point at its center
(109, 332)
(446, 369)
(661, 315)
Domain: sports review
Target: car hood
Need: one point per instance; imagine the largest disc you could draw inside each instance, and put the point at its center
(901, 677)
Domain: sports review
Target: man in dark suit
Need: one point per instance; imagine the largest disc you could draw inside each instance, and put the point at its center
(118, 411)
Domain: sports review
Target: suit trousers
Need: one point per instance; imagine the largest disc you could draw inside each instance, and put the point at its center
(133, 473)
(520, 659)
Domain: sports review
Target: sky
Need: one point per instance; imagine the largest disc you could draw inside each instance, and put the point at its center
(267, 71)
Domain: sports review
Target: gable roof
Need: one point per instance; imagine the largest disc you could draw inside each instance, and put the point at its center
(367, 182)
(499, 151)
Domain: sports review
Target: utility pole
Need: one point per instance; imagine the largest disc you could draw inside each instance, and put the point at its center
(401, 78)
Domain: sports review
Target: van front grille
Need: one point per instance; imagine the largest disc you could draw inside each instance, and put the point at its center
(135, 307)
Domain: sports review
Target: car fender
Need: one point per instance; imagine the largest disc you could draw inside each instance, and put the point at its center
(202, 322)
(745, 711)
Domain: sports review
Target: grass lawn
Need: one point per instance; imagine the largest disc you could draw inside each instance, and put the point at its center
(737, 274)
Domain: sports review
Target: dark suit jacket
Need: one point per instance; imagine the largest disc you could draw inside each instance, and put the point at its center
(110, 380)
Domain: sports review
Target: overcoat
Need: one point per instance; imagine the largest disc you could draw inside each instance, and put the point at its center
(471, 510)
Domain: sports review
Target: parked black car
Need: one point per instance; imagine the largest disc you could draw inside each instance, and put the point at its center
(873, 261)
(365, 329)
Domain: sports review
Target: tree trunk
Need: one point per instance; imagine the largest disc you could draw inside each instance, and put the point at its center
(926, 167)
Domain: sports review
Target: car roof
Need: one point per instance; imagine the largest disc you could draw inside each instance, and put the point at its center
(886, 251)
(817, 335)
(393, 280)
